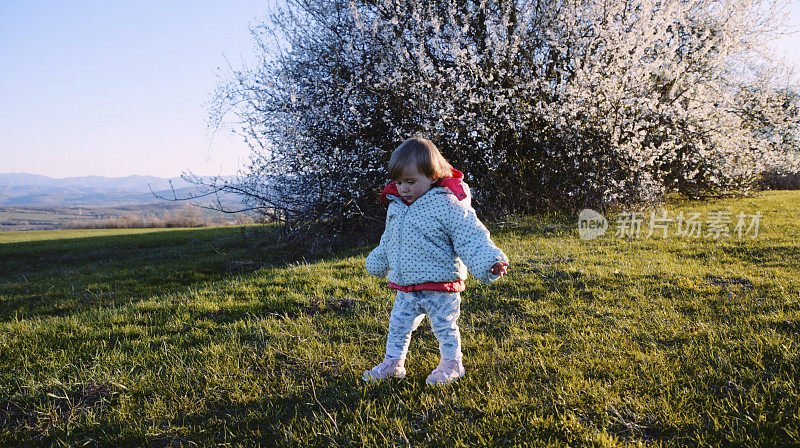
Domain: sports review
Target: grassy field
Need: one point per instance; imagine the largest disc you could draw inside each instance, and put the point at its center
(32, 218)
(14, 218)
(178, 338)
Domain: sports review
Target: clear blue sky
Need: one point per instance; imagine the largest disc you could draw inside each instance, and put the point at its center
(114, 88)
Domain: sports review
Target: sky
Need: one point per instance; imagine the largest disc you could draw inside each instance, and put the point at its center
(116, 88)
(787, 46)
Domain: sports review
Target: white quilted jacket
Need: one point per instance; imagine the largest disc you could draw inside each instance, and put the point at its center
(435, 239)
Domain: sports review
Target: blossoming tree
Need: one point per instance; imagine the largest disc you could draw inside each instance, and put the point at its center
(567, 103)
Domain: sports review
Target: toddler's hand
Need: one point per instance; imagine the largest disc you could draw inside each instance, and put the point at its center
(499, 268)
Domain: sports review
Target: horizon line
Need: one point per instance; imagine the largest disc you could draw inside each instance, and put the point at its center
(112, 177)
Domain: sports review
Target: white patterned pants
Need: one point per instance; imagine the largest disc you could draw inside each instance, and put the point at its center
(442, 308)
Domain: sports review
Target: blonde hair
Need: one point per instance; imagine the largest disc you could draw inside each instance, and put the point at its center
(422, 153)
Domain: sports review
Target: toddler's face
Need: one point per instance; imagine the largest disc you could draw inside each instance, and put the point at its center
(413, 184)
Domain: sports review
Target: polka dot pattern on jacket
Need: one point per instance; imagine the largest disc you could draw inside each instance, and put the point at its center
(438, 238)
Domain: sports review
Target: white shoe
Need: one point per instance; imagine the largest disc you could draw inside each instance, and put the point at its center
(448, 371)
(389, 368)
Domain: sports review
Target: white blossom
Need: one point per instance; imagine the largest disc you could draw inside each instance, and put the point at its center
(616, 100)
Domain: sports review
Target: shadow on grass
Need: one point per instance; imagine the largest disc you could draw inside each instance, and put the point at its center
(556, 283)
(534, 281)
(338, 412)
(61, 277)
(333, 408)
(755, 252)
(267, 421)
(784, 256)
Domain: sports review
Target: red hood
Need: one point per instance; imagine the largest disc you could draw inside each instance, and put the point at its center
(453, 183)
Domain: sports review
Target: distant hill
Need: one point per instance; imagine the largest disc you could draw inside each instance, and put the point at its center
(32, 190)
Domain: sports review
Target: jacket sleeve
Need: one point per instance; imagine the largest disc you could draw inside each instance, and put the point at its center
(472, 243)
(377, 262)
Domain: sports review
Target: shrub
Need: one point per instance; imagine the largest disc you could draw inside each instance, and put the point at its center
(542, 104)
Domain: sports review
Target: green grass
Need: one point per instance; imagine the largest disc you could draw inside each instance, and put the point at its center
(203, 338)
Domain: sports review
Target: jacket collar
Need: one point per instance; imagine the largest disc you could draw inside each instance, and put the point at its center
(454, 184)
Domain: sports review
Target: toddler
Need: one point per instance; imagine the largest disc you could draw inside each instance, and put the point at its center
(431, 233)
